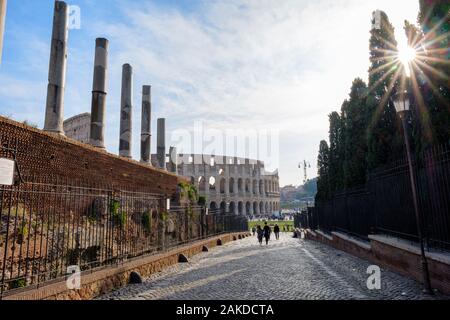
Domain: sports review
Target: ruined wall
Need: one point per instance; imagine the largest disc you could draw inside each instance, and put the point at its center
(60, 159)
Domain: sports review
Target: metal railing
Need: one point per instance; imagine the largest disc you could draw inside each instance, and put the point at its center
(46, 227)
(385, 205)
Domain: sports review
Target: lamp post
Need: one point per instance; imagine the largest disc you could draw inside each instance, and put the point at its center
(402, 107)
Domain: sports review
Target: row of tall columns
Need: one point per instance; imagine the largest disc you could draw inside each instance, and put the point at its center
(2, 25)
(54, 115)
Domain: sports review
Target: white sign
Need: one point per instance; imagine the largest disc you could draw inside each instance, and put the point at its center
(168, 204)
(6, 172)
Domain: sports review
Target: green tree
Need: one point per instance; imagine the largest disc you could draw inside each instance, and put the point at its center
(383, 133)
(434, 76)
(323, 162)
(355, 143)
(336, 152)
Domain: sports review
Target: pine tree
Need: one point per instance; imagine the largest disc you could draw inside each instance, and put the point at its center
(383, 134)
(355, 144)
(323, 162)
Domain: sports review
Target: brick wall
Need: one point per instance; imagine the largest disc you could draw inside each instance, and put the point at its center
(61, 160)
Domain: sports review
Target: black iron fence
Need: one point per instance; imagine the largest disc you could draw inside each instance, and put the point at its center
(385, 203)
(47, 227)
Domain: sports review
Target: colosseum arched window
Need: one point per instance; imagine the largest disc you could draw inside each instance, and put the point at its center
(240, 185)
(222, 185)
(231, 185)
(202, 184)
(212, 183)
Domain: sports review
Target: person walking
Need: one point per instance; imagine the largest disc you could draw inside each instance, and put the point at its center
(267, 232)
(276, 230)
(260, 234)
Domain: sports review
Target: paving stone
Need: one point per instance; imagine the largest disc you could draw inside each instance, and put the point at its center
(287, 269)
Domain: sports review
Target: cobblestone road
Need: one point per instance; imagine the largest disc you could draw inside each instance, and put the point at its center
(287, 269)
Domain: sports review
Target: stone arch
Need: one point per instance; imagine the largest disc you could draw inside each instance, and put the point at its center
(213, 205)
(240, 185)
(248, 208)
(270, 207)
(231, 185)
(247, 185)
(255, 208)
(241, 208)
(233, 207)
(261, 187)
(255, 187)
(223, 207)
(223, 184)
(212, 183)
(266, 209)
(202, 184)
(261, 208)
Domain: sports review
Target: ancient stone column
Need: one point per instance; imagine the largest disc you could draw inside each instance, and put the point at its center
(173, 159)
(97, 135)
(161, 143)
(54, 111)
(146, 124)
(126, 111)
(2, 25)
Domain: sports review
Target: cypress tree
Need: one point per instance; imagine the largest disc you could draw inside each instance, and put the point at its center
(336, 153)
(323, 162)
(434, 18)
(383, 133)
(355, 144)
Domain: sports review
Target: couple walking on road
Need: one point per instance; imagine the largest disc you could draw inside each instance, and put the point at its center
(265, 233)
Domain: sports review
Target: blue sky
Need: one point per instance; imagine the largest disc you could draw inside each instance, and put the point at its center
(231, 64)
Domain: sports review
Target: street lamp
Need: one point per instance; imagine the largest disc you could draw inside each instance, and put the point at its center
(402, 106)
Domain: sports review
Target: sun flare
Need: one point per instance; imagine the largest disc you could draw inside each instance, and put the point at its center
(406, 55)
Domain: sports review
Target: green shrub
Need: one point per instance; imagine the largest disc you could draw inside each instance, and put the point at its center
(147, 221)
(163, 216)
(23, 229)
(201, 200)
(18, 283)
(119, 217)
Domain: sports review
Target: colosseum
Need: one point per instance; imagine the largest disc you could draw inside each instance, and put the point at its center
(231, 184)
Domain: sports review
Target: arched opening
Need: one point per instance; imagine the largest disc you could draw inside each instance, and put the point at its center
(255, 187)
(231, 185)
(261, 187)
(266, 186)
(240, 185)
(261, 208)
(213, 206)
(270, 208)
(202, 184)
(212, 183)
(222, 185)
(266, 207)
(248, 208)
(255, 208)
(240, 208)
(232, 207)
(223, 207)
(247, 185)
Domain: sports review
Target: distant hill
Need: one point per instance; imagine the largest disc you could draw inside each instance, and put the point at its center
(291, 194)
